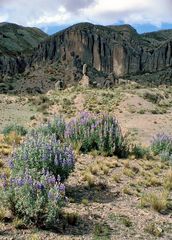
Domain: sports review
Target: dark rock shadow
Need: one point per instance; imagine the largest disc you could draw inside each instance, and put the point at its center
(98, 193)
(82, 226)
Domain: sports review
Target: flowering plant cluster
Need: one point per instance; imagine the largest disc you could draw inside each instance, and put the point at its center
(162, 145)
(43, 152)
(45, 159)
(57, 127)
(35, 191)
(34, 199)
(99, 132)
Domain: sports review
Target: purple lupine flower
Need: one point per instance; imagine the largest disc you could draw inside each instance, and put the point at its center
(20, 182)
(39, 186)
(62, 187)
(51, 180)
(11, 164)
(5, 184)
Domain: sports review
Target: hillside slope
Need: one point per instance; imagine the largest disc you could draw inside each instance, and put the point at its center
(15, 43)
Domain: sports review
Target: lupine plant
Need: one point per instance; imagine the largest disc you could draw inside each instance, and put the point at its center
(99, 132)
(34, 199)
(43, 152)
(162, 145)
(44, 160)
(57, 126)
(35, 191)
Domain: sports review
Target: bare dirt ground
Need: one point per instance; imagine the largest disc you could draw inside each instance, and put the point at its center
(144, 125)
(14, 110)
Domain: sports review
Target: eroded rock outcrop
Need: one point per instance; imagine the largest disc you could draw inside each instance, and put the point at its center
(109, 52)
(106, 49)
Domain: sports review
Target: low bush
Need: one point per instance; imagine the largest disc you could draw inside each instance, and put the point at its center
(43, 152)
(18, 129)
(97, 132)
(162, 145)
(35, 200)
(152, 97)
(34, 192)
(57, 127)
(139, 151)
(158, 201)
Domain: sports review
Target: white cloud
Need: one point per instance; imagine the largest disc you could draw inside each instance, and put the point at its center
(60, 12)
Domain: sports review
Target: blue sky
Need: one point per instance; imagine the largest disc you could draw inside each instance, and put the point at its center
(141, 28)
(54, 15)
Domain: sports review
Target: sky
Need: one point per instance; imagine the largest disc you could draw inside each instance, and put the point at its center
(54, 15)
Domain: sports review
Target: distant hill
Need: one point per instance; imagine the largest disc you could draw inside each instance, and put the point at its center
(162, 35)
(16, 44)
(15, 39)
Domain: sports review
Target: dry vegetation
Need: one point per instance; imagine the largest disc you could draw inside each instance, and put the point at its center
(108, 197)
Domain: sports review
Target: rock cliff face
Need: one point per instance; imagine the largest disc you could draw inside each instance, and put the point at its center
(117, 50)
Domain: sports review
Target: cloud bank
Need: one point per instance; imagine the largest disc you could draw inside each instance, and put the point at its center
(43, 13)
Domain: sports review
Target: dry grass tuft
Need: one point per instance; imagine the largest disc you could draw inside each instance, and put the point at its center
(157, 201)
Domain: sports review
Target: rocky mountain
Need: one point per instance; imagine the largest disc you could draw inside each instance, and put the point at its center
(16, 43)
(110, 52)
(113, 49)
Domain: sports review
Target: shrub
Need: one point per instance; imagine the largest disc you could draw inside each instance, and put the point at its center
(34, 200)
(43, 152)
(97, 132)
(34, 192)
(57, 127)
(162, 145)
(139, 151)
(142, 111)
(152, 97)
(168, 180)
(19, 129)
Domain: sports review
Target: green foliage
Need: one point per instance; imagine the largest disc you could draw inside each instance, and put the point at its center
(19, 129)
(162, 145)
(52, 79)
(40, 152)
(154, 229)
(101, 231)
(152, 97)
(57, 126)
(34, 192)
(34, 200)
(139, 151)
(97, 132)
(157, 202)
(19, 39)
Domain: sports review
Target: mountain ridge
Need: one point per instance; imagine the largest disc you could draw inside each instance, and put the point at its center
(107, 50)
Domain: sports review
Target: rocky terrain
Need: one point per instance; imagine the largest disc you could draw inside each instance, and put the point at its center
(110, 52)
